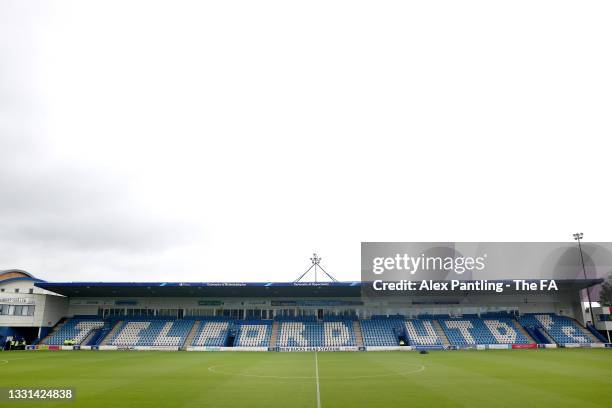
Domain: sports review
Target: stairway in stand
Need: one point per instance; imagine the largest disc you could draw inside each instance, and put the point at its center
(358, 334)
(192, 333)
(440, 333)
(274, 335)
(87, 339)
(111, 333)
(548, 336)
(586, 332)
(55, 329)
(522, 330)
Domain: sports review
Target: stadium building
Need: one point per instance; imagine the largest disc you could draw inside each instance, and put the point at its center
(288, 316)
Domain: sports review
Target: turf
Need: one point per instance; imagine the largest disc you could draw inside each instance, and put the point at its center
(517, 378)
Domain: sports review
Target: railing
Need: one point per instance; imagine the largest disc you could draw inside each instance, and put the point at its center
(537, 335)
(596, 333)
(97, 336)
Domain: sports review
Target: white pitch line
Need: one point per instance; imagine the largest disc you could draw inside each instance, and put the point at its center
(317, 377)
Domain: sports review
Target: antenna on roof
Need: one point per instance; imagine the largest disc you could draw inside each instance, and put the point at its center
(316, 264)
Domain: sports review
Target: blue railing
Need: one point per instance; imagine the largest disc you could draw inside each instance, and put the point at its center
(596, 333)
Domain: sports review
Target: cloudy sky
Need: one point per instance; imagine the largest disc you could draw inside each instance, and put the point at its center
(208, 141)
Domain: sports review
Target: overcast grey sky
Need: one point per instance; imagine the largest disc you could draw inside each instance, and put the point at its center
(208, 141)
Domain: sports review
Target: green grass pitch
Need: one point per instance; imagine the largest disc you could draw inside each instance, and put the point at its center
(494, 378)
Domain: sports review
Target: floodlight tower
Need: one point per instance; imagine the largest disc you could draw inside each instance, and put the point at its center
(316, 260)
(316, 264)
(578, 236)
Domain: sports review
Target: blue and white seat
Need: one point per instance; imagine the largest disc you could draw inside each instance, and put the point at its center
(253, 334)
(472, 330)
(562, 329)
(504, 331)
(381, 331)
(212, 333)
(152, 333)
(338, 333)
(75, 329)
(421, 332)
(315, 334)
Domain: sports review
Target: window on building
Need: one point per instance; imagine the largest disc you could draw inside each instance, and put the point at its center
(199, 312)
(168, 312)
(31, 290)
(139, 312)
(16, 290)
(254, 313)
(10, 310)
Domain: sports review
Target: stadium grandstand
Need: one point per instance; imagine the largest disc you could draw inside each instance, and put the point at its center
(287, 316)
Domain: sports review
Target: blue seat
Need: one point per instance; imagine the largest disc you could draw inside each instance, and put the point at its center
(561, 329)
(152, 332)
(76, 328)
(336, 332)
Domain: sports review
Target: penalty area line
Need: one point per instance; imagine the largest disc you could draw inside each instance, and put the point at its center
(317, 378)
